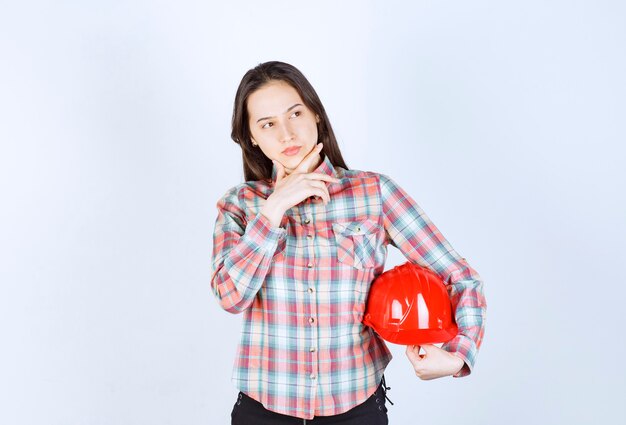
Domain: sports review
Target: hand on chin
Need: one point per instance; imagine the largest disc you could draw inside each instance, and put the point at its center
(290, 167)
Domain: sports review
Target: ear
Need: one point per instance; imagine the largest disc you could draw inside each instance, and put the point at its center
(317, 118)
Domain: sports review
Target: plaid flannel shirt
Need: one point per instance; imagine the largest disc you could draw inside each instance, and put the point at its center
(302, 288)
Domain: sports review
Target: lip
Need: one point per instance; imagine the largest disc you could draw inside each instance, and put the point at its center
(292, 150)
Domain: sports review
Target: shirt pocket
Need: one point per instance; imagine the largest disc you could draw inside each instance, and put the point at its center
(356, 242)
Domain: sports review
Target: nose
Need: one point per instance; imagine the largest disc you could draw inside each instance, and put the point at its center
(286, 134)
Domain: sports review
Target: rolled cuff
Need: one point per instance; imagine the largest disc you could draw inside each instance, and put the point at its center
(263, 236)
(465, 348)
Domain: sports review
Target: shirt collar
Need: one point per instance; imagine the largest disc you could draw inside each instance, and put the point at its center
(325, 167)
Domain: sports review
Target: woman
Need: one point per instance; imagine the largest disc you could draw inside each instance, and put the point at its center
(295, 249)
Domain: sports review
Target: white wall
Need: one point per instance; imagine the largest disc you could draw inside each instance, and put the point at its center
(504, 120)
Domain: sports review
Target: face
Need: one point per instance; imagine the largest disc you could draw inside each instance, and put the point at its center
(281, 124)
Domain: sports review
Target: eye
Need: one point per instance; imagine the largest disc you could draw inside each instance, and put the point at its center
(267, 123)
(298, 113)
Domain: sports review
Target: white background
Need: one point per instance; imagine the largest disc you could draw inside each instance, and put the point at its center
(504, 120)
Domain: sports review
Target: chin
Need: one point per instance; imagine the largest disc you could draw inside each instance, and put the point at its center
(293, 161)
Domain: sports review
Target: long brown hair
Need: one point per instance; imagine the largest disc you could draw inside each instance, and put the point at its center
(256, 166)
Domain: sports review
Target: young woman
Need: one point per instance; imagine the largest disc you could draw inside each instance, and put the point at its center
(295, 249)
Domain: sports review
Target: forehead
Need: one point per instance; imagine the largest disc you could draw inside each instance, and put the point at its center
(272, 99)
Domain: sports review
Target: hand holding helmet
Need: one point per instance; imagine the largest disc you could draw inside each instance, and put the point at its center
(435, 363)
(409, 305)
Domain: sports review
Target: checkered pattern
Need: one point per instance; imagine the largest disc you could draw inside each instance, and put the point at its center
(302, 289)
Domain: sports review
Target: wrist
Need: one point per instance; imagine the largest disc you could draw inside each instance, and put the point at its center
(273, 212)
(459, 363)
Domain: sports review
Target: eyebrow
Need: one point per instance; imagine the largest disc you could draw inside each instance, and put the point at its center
(290, 108)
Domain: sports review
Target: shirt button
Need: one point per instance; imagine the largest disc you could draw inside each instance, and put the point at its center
(311, 320)
(307, 221)
(309, 265)
(313, 376)
(312, 349)
(309, 237)
(311, 290)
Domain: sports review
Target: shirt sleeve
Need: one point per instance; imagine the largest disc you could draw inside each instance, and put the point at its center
(242, 253)
(410, 230)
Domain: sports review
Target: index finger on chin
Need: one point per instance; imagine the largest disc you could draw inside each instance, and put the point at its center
(306, 161)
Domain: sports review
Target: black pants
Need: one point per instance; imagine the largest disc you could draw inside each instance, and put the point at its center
(373, 411)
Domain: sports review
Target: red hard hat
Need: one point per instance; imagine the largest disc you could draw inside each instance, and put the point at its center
(409, 305)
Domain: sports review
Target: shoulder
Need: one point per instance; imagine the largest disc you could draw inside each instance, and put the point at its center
(380, 184)
(381, 179)
(355, 174)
